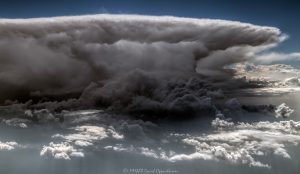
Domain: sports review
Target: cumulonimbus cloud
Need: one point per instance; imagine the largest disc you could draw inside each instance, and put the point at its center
(118, 56)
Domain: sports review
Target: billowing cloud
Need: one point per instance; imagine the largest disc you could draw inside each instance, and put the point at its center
(60, 151)
(10, 145)
(161, 66)
(237, 143)
(87, 135)
(283, 111)
(117, 60)
(234, 143)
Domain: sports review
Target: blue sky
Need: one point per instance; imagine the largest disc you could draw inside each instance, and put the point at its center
(282, 14)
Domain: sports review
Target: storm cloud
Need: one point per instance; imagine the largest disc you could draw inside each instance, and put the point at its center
(144, 61)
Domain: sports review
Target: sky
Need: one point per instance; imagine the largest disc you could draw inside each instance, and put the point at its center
(283, 14)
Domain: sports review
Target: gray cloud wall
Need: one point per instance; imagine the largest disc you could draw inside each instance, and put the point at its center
(64, 55)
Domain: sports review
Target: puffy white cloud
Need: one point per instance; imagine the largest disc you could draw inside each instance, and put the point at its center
(192, 156)
(84, 135)
(233, 143)
(10, 145)
(288, 127)
(240, 143)
(283, 111)
(60, 151)
(89, 127)
(220, 123)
